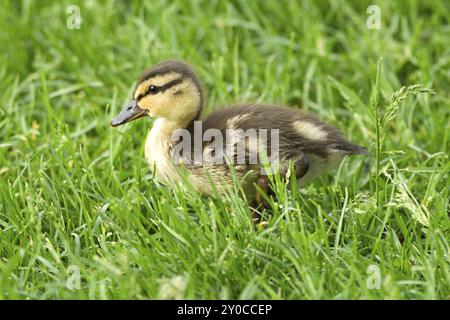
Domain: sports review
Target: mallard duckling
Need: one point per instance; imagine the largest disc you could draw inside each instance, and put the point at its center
(172, 93)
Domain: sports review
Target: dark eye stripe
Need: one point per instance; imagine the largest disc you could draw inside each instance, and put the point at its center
(159, 89)
(170, 84)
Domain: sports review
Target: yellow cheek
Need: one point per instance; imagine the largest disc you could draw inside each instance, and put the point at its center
(155, 105)
(145, 103)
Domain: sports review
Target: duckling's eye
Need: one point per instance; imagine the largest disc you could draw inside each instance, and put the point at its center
(153, 89)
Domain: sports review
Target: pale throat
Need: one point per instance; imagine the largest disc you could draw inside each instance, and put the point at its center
(158, 148)
(166, 126)
(161, 132)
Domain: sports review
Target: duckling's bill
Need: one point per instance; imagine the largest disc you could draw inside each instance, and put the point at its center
(130, 112)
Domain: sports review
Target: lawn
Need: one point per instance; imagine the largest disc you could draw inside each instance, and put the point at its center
(81, 217)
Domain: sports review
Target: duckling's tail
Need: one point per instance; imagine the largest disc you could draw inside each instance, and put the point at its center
(349, 148)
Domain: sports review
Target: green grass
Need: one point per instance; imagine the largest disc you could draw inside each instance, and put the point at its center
(75, 193)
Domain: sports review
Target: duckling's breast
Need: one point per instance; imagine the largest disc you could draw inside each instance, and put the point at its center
(158, 155)
(208, 179)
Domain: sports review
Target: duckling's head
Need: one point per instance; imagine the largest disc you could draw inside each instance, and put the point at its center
(169, 90)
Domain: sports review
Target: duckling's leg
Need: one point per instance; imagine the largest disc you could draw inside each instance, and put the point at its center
(258, 204)
(263, 183)
(301, 167)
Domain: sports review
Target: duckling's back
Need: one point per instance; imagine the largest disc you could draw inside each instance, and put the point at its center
(298, 131)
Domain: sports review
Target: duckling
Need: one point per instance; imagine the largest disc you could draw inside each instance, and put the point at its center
(230, 141)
